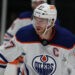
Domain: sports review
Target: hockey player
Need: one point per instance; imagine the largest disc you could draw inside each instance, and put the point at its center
(44, 47)
(23, 20)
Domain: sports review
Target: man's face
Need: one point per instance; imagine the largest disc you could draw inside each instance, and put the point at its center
(40, 24)
(36, 3)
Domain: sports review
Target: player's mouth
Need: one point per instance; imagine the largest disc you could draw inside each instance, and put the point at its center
(38, 29)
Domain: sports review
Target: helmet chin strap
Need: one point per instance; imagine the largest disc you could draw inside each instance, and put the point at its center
(47, 29)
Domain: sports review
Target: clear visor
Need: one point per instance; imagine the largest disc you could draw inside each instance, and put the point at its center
(40, 21)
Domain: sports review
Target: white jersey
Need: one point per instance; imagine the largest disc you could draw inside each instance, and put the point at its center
(52, 59)
(24, 19)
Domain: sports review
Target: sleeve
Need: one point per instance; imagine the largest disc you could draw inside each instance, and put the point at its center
(11, 31)
(11, 50)
(71, 55)
(15, 68)
(68, 59)
(16, 25)
(8, 53)
(70, 64)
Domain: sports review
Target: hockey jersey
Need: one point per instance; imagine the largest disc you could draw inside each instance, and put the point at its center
(23, 19)
(51, 59)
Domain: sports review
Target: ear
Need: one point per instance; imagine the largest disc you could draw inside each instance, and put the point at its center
(52, 22)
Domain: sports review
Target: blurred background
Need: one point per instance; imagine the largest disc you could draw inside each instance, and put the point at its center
(65, 8)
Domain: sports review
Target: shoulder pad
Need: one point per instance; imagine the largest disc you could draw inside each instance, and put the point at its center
(25, 34)
(63, 37)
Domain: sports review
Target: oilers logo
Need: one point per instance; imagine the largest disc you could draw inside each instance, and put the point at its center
(44, 65)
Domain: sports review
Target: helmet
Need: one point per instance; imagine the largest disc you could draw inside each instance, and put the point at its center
(39, 0)
(46, 11)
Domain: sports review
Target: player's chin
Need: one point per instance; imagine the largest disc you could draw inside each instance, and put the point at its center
(39, 31)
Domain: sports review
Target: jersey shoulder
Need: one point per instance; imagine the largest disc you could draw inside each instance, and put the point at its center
(26, 34)
(64, 37)
(64, 32)
(26, 14)
(57, 22)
